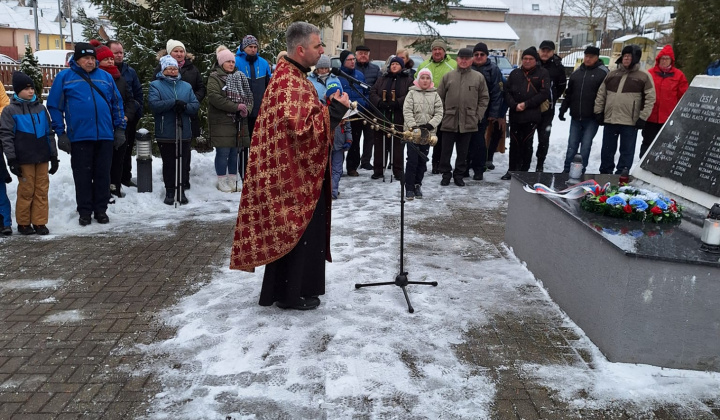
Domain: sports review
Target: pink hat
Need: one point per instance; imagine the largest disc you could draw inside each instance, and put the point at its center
(421, 72)
(224, 56)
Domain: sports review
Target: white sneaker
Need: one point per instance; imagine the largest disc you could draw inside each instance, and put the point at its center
(223, 184)
(233, 184)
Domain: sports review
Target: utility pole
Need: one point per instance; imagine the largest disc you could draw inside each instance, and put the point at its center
(60, 21)
(37, 31)
(557, 35)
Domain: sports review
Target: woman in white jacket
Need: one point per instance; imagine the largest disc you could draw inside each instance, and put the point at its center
(423, 108)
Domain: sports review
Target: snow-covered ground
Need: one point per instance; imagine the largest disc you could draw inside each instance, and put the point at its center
(361, 350)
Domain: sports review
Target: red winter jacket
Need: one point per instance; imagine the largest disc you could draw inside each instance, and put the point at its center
(670, 86)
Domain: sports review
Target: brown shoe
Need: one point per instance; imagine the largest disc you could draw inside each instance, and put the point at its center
(353, 173)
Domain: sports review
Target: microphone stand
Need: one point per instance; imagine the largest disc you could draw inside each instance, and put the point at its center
(401, 280)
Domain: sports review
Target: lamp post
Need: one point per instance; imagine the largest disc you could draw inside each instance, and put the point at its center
(143, 153)
(711, 231)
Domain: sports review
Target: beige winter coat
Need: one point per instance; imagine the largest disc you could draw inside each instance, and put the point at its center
(465, 97)
(422, 107)
(625, 96)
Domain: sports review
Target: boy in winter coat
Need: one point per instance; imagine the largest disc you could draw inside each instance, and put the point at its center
(342, 141)
(29, 144)
(171, 98)
(423, 109)
(5, 178)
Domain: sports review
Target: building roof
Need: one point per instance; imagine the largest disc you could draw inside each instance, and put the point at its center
(470, 29)
(534, 7)
(483, 4)
(20, 18)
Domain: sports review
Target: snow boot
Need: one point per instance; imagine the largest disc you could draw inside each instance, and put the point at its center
(26, 230)
(223, 184)
(41, 229)
(169, 196)
(445, 179)
(233, 184)
(418, 191)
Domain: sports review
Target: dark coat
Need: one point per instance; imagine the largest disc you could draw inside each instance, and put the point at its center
(258, 72)
(133, 81)
(190, 74)
(493, 78)
(25, 132)
(222, 112)
(533, 88)
(370, 71)
(558, 80)
(361, 93)
(382, 89)
(582, 89)
(162, 95)
(129, 105)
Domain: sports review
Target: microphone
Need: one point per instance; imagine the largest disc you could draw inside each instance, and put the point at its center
(337, 72)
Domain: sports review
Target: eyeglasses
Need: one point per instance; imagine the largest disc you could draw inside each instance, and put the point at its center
(480, 54)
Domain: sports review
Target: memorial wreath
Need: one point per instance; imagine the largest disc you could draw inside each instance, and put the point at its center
(631, 203)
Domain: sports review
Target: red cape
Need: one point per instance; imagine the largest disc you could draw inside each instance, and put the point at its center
(289, 155)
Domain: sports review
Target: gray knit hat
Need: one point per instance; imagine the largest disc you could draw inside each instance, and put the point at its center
(323, 62)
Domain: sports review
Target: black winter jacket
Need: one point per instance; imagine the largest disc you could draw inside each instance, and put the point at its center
(370, 71)
(558, 80)
(493, 78)
(382, 92)
(531, 88)
(582, 90)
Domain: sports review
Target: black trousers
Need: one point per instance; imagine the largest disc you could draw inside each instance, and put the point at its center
(461, 142)
(649, 133)
(130, 142)
(168, 154)
(368, 141)
(477, 151)
(543, 130)
(437, 151)
(117, 166)
(382, 155)
(300, 272)
(91, 161)
(353, 155)
(521, 146)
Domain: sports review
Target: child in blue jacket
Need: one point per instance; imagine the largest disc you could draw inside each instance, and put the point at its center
(342, 141)
(29, 143)
(171, 98)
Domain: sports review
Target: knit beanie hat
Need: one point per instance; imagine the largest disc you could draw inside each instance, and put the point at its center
(398, 60)
(343, 56)
(224, 55)
(333, 87)
(323, 62)
(172, 44)
(420, 73)
(21, 81)
(247, 41)
(83, 49)
(167, 61)
(482, 47)
(101, 52)
(531, 52)
(438, 43)
(592, 50)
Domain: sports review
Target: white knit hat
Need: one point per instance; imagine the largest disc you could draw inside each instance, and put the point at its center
(172, 44)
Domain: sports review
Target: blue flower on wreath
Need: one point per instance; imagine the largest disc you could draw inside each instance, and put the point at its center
(639, 204)
(662, 204)
(616, 200)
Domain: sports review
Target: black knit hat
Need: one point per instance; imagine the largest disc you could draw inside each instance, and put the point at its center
(83, 49)
(21, 81)
(343, 56)
(531, 52)
(547, 44)
(592, 50)
(482, 47)
(398, 60)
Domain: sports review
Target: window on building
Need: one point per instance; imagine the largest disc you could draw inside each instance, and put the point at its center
(536, 7)
(26, 37)
(57, 44)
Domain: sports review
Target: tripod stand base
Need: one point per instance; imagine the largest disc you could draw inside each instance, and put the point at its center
(401, 280)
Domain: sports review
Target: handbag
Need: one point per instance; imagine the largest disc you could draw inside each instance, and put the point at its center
(545, 106)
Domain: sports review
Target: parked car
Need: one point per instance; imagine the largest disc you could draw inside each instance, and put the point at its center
(53, 57)
(5, 59)
(498, 56)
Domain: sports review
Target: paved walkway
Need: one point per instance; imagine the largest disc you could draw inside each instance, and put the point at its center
(72, 310)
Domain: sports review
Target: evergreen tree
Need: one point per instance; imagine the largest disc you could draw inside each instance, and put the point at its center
(90, 27)
(696, 35)
(31, 67)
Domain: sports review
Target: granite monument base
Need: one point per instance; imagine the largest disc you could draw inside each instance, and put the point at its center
(642, 292)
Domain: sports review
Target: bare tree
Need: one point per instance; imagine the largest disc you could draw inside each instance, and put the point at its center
(630, 13)
(592, 12)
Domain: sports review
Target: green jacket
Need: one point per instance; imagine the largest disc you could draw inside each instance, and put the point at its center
(438, 70)
(223, 121)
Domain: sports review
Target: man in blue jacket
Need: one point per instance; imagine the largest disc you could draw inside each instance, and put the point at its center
(87, 115)
(356, 93)
(258, 72)
(132, 79)
(371, 72)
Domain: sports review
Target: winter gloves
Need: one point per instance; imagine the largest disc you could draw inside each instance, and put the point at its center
(15, 168)
(347, 145)
(180, 106)
(54, 162)
(600, 118)
(64, 143)
(640, 124)
(242, 109)
(119, 138)
(562, 116)
(428, 127)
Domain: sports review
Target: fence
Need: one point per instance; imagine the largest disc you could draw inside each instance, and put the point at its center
(48, 73)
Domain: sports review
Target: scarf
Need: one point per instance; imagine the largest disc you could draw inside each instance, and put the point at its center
(113, 70)
(34, 98)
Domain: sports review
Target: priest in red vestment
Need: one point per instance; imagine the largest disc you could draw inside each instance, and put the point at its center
(284, 216)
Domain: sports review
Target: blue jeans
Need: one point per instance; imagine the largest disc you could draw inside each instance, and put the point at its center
(4, 204)
(226, 159)
(338, 157)
(582, 133)
(628, 136)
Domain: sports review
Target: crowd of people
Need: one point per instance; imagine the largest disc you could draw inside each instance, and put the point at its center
(95, 105)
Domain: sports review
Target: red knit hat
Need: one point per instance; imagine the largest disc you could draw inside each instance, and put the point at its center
(101, 52)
